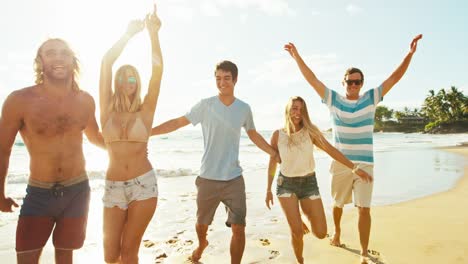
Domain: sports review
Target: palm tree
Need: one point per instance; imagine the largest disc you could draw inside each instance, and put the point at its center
(445, 106)
(456, 100)
(429, 108)
(383, 113)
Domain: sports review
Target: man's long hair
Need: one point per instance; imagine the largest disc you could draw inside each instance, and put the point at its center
(39, 71)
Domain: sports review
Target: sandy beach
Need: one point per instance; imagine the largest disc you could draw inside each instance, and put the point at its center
(425, 230)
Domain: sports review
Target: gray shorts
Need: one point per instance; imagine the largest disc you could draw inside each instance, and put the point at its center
(122, 193)
(231, 193)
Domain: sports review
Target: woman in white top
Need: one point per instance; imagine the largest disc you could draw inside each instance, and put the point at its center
(296, 183)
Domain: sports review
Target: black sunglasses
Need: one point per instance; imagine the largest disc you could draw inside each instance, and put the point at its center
(356, 82)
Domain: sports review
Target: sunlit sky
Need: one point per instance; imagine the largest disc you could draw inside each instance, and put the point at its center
(373, 35)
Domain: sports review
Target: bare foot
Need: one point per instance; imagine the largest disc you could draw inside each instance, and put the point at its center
(197, 253)
(365, 260)
(305, 228)
(300, 261)
(335, 241)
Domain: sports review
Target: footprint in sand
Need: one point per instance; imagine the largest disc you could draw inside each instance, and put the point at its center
(188, 242)
(148, 243)
(172, 241)
(160, 258)
(265, 241)
(274, 254)
(373, 252)
(376, 256)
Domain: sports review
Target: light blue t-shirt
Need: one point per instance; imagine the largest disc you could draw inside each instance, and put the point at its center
(221, 126)
(353, 123)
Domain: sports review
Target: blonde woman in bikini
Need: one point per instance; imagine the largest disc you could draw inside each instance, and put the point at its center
(131, 189)
(296, 183)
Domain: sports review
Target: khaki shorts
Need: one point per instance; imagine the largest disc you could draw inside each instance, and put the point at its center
(345, 183)
(231, 193)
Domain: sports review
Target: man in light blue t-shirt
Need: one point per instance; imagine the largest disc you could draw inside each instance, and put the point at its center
(353, 124)
(221, 117)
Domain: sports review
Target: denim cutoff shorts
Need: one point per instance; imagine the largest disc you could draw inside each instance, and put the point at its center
(302, 187)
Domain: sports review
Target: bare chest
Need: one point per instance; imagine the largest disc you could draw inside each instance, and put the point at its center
(55, 118)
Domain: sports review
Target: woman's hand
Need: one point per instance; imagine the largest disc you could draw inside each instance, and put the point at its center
(269, 199)
(134, 27)
(153, 23)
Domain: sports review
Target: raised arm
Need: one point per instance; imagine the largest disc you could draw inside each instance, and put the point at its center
(10, 123)
(105, 81)
(169, 126)
(400, 71)
(153, 24)
(271, 170)
(305, 70)
(323, 144)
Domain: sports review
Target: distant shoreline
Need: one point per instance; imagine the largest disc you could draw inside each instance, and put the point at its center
(456, 127)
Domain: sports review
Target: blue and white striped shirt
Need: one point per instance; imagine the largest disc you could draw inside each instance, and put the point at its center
(353, 123)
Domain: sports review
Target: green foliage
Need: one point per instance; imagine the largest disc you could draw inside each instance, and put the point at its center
(441, 112)
(446, 106)
(432, 125)
(408, 113)
(438, 127)
(383, 113)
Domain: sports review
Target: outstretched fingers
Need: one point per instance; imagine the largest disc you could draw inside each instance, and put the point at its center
(414, 43)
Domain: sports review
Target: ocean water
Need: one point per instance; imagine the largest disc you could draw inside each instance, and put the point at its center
(407, 166)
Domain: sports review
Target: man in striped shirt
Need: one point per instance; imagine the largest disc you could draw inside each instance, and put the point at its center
(353, 125)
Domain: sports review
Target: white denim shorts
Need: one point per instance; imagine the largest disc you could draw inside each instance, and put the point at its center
(122, 193)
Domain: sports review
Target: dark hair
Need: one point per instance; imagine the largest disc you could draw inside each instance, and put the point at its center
(229, 67)
(353, 70)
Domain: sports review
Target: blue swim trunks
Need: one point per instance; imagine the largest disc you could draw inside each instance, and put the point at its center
(58, 205)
